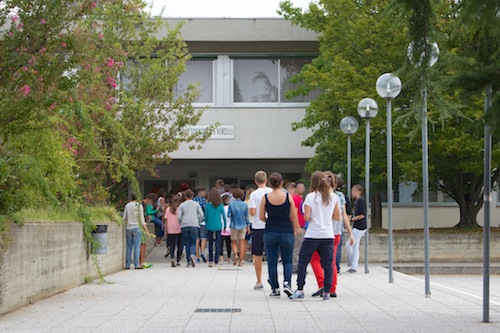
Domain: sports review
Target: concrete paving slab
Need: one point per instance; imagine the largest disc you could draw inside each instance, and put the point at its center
(166, 299)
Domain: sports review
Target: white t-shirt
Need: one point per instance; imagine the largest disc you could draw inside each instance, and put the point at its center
(320, 223)
(255, 199)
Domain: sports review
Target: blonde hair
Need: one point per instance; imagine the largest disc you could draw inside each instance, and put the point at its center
(260, 177)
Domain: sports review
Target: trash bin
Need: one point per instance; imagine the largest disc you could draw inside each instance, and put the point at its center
(100, 236)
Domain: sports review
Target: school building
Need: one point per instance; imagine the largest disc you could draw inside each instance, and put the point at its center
(243, 67)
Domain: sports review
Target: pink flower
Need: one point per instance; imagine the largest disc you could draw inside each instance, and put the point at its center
(25, 90)
(25, 68)
(64, 45)
(93, 5)
(119, 64)
(11, 34)
(19, 26)
(100, 36)
(53, 106)
(42, 51)
(75, 152)
(14, 19)
(111, 62)
(112, 82)
(43, 21)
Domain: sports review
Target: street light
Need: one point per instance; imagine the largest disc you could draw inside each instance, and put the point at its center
(432, 58)
(388, 87)
(349, 125)
(367, 109)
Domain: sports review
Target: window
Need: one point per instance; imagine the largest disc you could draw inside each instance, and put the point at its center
(200, 72)
(266, 80)
(410, 193)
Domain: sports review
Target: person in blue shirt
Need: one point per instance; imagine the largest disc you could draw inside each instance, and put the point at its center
(240, 226)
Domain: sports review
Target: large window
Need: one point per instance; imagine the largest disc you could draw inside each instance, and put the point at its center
(200, 72)
(266, 80)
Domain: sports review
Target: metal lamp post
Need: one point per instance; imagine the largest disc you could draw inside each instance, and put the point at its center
(349, 125)
(432, 59)
(367, 109)
(388, 87)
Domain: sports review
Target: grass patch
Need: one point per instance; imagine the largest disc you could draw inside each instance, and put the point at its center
(65, 214)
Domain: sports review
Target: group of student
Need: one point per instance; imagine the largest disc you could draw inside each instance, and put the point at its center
(278, 220)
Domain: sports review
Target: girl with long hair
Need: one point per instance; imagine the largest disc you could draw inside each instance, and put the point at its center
(215, 220)
(173, 230)
(321, 207)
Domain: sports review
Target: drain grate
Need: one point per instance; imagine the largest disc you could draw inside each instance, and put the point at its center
(218, 310)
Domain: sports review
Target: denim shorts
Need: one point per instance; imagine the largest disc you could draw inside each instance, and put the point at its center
(202, 233)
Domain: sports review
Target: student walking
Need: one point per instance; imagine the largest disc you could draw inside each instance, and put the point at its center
(337, 231)
(149, 202)
(258, 226)
(292, 188)
(240, 226)
(201, 242)
(190, 216)
(226, 232)
(281, 224)
(215, 220)
(173, 230)
(134, 216)
(321, 206)
(359, 227)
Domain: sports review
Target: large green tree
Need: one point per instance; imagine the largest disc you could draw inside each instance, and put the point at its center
(359, 40)
(88, 99)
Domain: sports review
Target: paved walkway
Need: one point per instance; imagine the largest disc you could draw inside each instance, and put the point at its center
(165, 299)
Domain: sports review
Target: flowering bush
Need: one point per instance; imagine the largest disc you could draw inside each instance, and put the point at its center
(67, 130)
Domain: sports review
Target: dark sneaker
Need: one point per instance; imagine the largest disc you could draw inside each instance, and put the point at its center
(203, 257)
(275, 293)
(299, 294)
(326, 296)
(287, 289)
(351, 270)
(334, 295)
(318, 293)
(173, 263)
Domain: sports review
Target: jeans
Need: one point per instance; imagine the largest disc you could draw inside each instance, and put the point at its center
(158, 226)
(353, 251)
(175, 242)
(133, 241)
(279, 243)
(299, 239)
(189, 235)
(338, 257)
(213, 236)
(325, 250)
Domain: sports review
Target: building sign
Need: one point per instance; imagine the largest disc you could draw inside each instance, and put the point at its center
(221, 132)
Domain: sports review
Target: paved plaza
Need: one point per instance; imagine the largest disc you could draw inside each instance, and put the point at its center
(166, 299)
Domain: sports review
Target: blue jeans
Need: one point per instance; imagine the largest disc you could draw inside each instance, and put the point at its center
(339, 253)
(189, 235)
(325, 250)
(158, 226)
(279, 243)
(133, 241)
(213, 236)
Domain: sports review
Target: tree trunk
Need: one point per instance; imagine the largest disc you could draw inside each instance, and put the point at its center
(376, 211)
(468, 214)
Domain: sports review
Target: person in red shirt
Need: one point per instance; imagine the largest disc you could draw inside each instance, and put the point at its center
(291, 188)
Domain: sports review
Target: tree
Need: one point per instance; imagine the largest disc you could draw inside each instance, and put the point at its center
(468, 33)
(358, 42)
(70, 129)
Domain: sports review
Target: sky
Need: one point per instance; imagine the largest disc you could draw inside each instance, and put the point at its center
(220, 8)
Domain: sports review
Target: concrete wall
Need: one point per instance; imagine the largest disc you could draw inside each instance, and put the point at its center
(440, 216)
(47, 258)
(443, 248)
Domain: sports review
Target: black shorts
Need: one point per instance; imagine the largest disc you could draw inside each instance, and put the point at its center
(258, 242)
